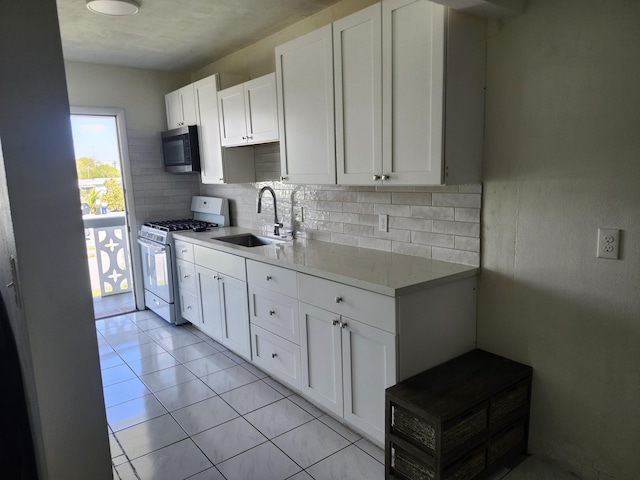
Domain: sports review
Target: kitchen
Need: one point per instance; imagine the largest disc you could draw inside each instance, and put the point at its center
(552, 175)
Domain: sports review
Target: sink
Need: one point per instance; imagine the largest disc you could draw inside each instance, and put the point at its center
(249, 240)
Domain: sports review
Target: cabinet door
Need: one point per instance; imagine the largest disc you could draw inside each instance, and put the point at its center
(206, 94)
(173, 105)
(218, 165)
(181, 108)
(357, 47)
(208, 292)
(261, 109)
(235, 315)
(413, 76)
(321, 357)
(369, 367)
(233, 128)
(304, 77)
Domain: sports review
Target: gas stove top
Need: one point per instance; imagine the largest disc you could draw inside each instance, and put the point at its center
(181, 225)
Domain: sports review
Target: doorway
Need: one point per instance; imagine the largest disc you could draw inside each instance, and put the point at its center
(102, 163)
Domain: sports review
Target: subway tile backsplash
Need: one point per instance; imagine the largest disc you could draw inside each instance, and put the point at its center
(442, 223)
(436, 222)
(157, 195)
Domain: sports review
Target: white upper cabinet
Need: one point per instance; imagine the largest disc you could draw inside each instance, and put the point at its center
(409, 98)
(217, 164)
(249, 112)
(181, 107)
(433, 96)
(357, 54)
(304, 74)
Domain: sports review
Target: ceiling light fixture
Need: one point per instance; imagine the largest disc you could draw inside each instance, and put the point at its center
(113, 7)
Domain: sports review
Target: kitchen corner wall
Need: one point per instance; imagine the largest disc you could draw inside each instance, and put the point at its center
(436, 222)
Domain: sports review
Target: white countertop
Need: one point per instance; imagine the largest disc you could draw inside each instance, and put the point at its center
(381, 272)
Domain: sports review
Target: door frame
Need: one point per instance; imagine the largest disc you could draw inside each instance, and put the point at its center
(127, 187)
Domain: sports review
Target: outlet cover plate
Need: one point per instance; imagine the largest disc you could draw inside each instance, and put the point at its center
(609, 243)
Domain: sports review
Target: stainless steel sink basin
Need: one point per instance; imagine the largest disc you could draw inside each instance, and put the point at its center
(249, 240)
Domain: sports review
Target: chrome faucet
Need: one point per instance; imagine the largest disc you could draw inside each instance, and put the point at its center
(276, 224)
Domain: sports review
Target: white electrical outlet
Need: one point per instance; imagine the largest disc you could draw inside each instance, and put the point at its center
(383, 222)
(608, 243)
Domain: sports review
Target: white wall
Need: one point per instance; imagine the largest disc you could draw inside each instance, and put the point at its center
(562, 158)
(41, 209)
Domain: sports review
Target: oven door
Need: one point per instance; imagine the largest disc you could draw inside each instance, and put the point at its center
(156, 269)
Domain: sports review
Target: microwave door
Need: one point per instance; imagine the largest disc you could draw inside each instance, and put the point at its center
(174, 151)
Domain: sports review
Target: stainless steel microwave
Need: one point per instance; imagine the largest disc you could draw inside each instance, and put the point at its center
(180, 150)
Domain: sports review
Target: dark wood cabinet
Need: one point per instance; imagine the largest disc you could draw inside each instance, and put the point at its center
(459, 420)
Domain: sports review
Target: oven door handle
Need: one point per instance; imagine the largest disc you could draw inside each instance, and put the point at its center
(153, 246)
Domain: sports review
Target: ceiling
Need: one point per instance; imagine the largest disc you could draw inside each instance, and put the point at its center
(175, 35)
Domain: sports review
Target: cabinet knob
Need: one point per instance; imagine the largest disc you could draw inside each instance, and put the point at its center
(221, 179)
(215, 277)
(249, 137)
(343, 324)
(282, 179)
(272, 312)
(244, 138)
(274, 355)
(334, 322)
(184, 250)
(186, 276)
(385, 177)
(188, 307)
(376, 178)
(269, 277)
(338, 299)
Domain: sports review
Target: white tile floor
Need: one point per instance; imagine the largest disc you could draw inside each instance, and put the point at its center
(180, 405)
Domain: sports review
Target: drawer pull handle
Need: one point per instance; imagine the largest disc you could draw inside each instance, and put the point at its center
(272, 312)
(343, 324)
(334, 322)
(274, 355)
(338, 299)
(269, 277)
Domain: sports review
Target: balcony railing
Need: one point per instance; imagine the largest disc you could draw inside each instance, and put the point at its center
(108, 234)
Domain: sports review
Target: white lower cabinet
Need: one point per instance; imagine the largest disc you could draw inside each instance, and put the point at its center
(346, 367)
(276, 356)
(223, 299)
(339, 345)
(275, 330)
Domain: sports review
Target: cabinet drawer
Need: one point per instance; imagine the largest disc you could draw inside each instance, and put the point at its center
(370, 308)
(275, 312)
(273, 278)
(186, 272)
(222, 262)
(184, 250)
(276, 356)
(509, 400)
(510, 439)
(423, 433)
(413, 464)
(189, 306)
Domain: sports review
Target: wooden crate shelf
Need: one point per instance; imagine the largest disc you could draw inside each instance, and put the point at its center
(459, 420)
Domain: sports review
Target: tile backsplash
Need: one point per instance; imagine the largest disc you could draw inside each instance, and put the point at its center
(436, 222)
(157, 195)
(442, 223)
